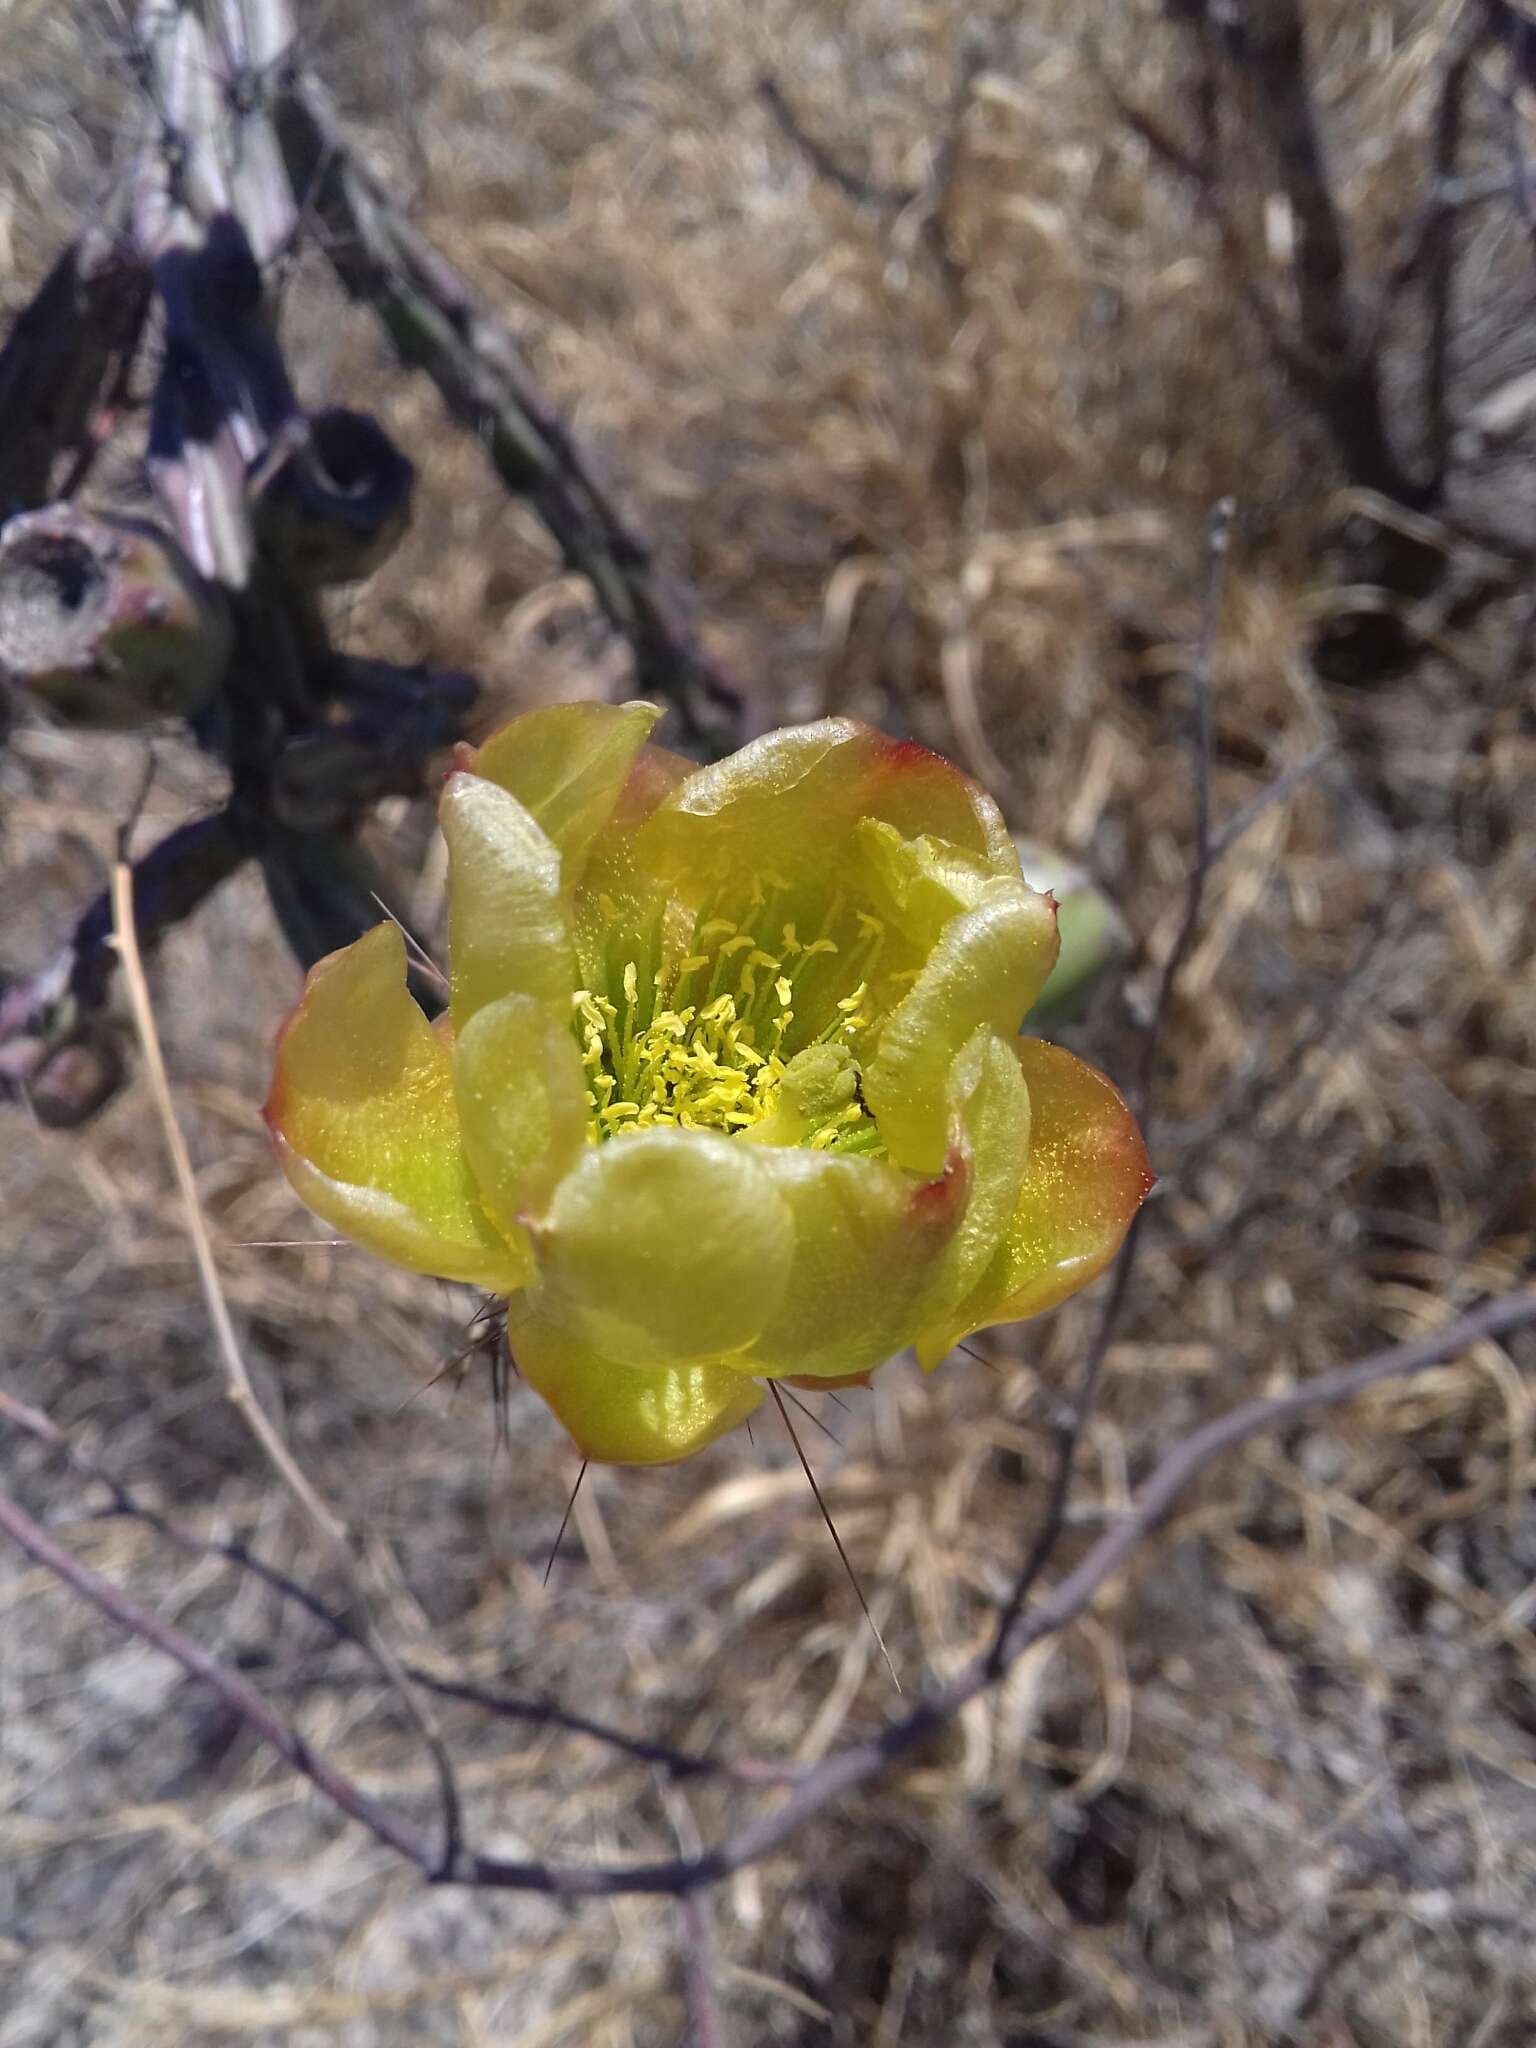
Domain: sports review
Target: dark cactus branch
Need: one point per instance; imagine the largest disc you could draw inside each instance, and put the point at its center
(437, 323)
(64, 361)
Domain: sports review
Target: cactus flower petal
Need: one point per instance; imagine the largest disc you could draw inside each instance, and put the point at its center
(671, 1247)
(864, 1239)
(362, 1107)
(992, 1113)
(791, 802)
(985, 970)
(522, 1106)
(567, 765)
(617, 1415)
(1086, 1177)
(508, 933)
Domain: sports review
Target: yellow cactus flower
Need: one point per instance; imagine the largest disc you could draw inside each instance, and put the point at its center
(729, 1088)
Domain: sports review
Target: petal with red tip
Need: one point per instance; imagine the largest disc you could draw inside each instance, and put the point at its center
(987, 967)
(1087, 1176)
(787, 805)
(868, 1241)
(990, 1112)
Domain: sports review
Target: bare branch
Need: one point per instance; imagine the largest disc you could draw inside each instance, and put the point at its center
(824, 161)
(698, 1974)
(1440, 249)
(1070, 1427)
(678, 1764)
(1345, 376)
(439, 324)
(856, 1766)
(1166, 149)
(236, 1692)
(850, 1768)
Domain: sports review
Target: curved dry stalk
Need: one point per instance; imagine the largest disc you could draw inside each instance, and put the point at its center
(238, 1389)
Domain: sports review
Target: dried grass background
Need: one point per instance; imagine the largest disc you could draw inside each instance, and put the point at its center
(1281, 1786)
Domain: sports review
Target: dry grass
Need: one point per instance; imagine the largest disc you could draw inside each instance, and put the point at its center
(1281, 1788)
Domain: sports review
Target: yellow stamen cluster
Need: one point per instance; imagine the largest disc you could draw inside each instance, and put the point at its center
(707, 1043)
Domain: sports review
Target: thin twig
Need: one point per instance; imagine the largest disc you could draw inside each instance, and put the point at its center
(856, 1766)
(850, 1768)
(237, 1380)
(1345, 382)
(1440, 252)
(698, 1975)
(824, 161)
(1284, 349)
(1514, 29)
(237, 1693)
(1285, 784)
(697, 1945)
(1070, 1429)
(679, 1764)
(1329, 359)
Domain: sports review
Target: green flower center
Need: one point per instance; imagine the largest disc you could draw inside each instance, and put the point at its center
(742, 1029)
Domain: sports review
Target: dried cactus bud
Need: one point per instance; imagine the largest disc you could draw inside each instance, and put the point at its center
(64, 1063)
(77, 1079)
(104, 621)
(335, 509)
(1093, 933)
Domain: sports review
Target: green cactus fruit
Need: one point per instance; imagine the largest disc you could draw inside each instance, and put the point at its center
(1094, 936)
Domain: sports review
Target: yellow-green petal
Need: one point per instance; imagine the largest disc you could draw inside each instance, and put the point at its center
(988, 965)
(788, 804)
(567, 764)
(522, 1105)
(622, 900)
(918, 884)
(617, 1415)
(1087, 1176)
(664, 1247)
(508, 931)
(362, 1107)
(868, 1241)
(919, 791)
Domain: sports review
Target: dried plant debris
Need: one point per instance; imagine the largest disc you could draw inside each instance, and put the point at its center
(935, 441)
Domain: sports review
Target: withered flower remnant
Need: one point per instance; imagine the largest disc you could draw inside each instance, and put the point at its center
(104, 621)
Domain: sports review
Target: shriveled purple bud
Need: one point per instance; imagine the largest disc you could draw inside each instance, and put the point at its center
(77, 1079)
(104, 621)
(335, 509)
